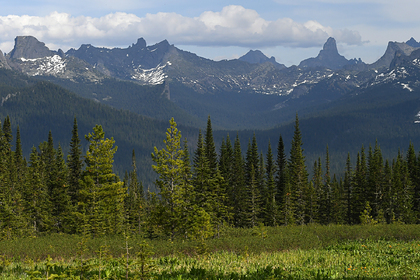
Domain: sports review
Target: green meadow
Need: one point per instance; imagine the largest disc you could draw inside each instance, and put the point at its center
(297, 252)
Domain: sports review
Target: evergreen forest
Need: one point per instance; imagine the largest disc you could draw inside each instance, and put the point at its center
(198, 193)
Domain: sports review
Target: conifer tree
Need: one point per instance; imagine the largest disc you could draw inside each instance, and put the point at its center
(325, 194)
(271, 205)
(135, 204)
(403, 191)
(253, 192)
(210, 148)
(75, 164)
(318, 186)
(7, 132)
(103, 194)
(347, 190)
(239, 187)
(37, 201)
(375, 177)
(280, 177)
(298, 175)
(389, 199)
(359, 187)
(62, 208)
(413, 170)
(336, 204)
(169, 166)
(226, 161)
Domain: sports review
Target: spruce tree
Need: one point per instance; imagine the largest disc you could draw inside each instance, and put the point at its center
(75, 164)
(298, 175)
(62, 208)
(239, 195)
(37, 201)
(210, 148)
(347, 189)
(271, 205)
(135, 203)
(103, 194)
(280, 177)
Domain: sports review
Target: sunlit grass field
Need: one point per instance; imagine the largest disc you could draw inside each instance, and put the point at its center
(308, 252)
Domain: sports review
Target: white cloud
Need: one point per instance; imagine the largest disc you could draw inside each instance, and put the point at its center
(232, 26)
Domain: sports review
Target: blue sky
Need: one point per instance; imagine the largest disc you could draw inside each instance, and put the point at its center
(288, 30)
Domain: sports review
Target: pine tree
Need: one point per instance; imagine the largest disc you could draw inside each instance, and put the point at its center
(208, 187)
(359, 187)
(103, 194)
(318, 186)
(325, 194)
(348, 189)
(298, 175)
(271, 205)
(135, 204)
(62, 208)
(75, 164)
(253, 192)
(375, 177)
(226, 161)
(37, 202)
(280, 177)
(239, 187)
(413, 170)
(169, 166)
(210, 148)
(7, 132)
(403, 191)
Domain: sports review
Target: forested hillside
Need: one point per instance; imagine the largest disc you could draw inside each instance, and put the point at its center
(197, 193)
(39, 107)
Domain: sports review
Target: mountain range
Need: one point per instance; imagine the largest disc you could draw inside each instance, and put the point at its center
(343, 103)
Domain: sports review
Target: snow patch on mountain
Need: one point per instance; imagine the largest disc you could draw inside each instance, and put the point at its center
(153, 76)
(394, 74)
(50, 65)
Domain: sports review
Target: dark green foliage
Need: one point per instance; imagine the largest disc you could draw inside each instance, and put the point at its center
(75, 164)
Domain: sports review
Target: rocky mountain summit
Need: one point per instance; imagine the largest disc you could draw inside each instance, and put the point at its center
(35, 59)
(164, 63)
(329, 57)
(257, 57)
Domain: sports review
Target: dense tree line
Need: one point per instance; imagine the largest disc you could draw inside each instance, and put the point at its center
(198, 193)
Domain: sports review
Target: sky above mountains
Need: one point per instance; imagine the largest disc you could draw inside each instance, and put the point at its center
(288, 30)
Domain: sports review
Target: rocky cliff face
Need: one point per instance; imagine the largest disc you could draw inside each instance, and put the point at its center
(391, 50)
(28, 47)
(3, 61)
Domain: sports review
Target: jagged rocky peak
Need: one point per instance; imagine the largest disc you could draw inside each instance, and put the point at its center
(389, 55)
(328, 57)
(141, 43)
(30, 48)
(413, 43)
(330, 46)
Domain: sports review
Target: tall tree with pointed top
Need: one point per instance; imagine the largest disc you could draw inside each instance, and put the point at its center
(169, 166)
(210, 147)
(281, 173)
(298, 174)
(102, 194)
(271, 204)
(75, 164)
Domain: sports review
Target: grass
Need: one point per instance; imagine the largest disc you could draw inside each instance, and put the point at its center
(309, 252)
